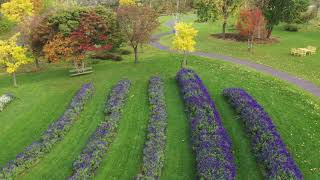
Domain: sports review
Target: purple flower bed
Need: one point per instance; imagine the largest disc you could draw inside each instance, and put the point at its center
(267, 144)
(210, 140)
(92, 155)
(55, 133)
(154, 149)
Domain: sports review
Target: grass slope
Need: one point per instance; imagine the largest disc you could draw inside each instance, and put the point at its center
(273, 55)
(43, 97)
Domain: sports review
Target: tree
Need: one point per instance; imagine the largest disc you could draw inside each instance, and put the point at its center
(251, 22)
(184, 40)
(16, 10)
(60, 48)
(206, 10)
(38, 6)
(13, 56)
(67, 21)
(227, 8)
(91, 35)
(276, 11)
(137, 23)
(127, 2)
(35, 32)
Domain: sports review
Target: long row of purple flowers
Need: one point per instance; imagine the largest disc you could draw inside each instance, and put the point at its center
(210, 140)
(92, 155)
(154, 149)
(55, 133)
(267, 144)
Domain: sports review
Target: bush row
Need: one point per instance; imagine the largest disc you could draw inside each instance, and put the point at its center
(154, 149)
(210, 140)
(55, 133)
(266, 141)
(92, 155)
(5, 100)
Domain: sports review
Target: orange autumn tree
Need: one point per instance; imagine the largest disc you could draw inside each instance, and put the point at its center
(251, 24)
(59, 48)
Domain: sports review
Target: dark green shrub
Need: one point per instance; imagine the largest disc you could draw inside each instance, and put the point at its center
(291, 27)
(125, 52)
(107, 56)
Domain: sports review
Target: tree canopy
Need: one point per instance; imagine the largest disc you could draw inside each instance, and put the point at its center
(16, 10)
(137, 24)
(184, 39)
(277, 11)
(13, 56)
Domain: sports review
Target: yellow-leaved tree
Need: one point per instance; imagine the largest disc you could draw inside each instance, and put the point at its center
(13, 56)
(16, 10)
(127, 2)
(184, 40)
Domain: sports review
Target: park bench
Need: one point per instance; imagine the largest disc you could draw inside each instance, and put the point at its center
(294, 51)
(84, 71)
(312, 50)
(298, 52)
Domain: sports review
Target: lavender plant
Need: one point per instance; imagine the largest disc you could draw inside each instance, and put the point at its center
(5, 100)
(55, 133)
(210, 140)
(154, 149)
(92, 155)
(266, 142)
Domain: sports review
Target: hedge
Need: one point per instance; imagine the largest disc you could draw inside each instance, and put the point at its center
(92, 155)
(154, 149)
(55, 133)
(266, 142)
(211, 143)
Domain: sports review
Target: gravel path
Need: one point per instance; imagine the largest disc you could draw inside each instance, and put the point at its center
(304, 84)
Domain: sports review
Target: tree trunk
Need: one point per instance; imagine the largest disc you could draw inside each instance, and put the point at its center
(184, 62)
(224, 28)
(14, 79)
(251, 42)
(135, 49)
(37, 63)
(269, 32)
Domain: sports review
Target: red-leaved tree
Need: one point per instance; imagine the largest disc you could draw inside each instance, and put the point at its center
(251, 24)
(91, 35)
(137, 24)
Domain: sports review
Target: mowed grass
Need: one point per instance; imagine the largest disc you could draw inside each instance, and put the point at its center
(43, 97)
(274, 55)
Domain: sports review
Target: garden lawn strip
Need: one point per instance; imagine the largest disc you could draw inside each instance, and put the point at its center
(154, 149)
(267, 144)
(5, 100)
(55, 133)
(210, 140)
(179, 160)
(92, 155)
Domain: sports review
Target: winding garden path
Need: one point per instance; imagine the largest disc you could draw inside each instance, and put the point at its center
(304, 84)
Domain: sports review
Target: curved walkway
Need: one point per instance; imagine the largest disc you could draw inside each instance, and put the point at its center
(304, 84)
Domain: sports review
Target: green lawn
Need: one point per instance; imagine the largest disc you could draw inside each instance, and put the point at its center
(43, 96)
(273, 55)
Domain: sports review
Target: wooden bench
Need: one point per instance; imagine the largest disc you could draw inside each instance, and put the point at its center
(84, 69)
(294, 51)
(312, 50)
(81, 73)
